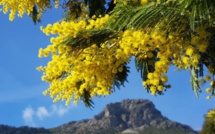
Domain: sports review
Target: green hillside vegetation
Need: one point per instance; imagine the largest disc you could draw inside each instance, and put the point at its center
(164, 131)
(146, 131)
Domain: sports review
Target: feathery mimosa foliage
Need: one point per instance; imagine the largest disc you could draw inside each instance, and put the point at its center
(94, 43)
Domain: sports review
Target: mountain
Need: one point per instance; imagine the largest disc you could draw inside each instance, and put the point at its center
(128, 116)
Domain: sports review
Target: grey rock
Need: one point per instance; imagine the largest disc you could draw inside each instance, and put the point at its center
(120, 116)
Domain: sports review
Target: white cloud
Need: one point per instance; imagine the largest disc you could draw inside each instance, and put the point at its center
(61, 110)
(42, 112)
(28, 116)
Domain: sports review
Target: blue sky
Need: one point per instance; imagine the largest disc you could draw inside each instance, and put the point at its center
(22, 101)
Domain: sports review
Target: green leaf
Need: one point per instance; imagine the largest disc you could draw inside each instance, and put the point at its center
(96, 7)
(87, 99)
(121, 77)
(154, 15)
(34, 15)
(87, 38)
(194, 80)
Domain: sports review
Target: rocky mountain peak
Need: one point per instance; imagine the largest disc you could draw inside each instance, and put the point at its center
(137, 115)
(133, 112)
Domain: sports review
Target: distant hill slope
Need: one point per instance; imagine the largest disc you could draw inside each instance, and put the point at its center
(128, 116)
(4, 129)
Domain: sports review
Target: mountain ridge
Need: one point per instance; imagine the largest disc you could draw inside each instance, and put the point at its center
(134, 116)
(138, 114)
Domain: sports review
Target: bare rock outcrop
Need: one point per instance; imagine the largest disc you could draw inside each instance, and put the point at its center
(135, 115)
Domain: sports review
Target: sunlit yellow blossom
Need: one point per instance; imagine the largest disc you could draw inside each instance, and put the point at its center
(190, 50)
(211, 115)
(210, 69)
(202, 47)
(160, 88)
(150, 55)
(195, 40)
(24, 7)
(208, 90)
(150, 75)
(195, 62)
(153, 90)
(155, 82)
(186, 60)
(207, 78)
(144, 2)
(164, 78)
(212, 84)
(144, 83)
(208, 97)
(125, 3)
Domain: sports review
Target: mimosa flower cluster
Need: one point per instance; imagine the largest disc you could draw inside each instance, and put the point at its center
(24, 7)
(211, 115)
(141, 2)
(93, 69)
(72, 72)
(161, 50)
(75, 70)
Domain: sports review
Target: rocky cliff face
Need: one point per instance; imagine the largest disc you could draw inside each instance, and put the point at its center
(135, 115)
